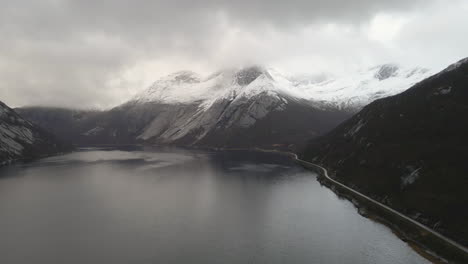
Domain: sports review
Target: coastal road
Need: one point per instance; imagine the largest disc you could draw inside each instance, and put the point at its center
(426, 228)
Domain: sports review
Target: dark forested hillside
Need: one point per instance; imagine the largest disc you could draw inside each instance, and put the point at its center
(409, 151)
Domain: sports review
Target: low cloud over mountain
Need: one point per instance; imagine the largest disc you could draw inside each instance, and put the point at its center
(97, 54)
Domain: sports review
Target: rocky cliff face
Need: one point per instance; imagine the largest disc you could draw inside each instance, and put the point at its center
(19, 139)
(409, 151)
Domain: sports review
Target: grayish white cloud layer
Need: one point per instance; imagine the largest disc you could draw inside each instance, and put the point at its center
(83, 53)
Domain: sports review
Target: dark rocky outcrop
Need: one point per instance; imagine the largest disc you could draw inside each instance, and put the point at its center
(21, 140)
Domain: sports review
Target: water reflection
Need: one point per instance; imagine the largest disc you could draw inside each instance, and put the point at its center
(142, 205)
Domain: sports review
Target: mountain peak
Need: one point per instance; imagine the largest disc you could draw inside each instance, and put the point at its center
(246, 75)
(350, 91)
(183, 77)
(386, 71)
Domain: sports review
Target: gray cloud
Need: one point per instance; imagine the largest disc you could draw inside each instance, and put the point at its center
(97, 53)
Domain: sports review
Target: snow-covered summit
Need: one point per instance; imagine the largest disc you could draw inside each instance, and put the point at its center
(188, 87)
(352, 90)
(182, 77)
(386, 71)
(357, 89)
(247, 75)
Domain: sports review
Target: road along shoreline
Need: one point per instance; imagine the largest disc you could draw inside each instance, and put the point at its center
(412, 230)
(436, 246)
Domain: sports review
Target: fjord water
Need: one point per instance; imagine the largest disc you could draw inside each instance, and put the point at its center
(176, 206)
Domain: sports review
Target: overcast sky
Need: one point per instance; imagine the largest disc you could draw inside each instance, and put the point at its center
(90, 53)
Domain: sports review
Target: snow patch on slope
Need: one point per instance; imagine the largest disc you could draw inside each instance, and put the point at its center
(355, 129)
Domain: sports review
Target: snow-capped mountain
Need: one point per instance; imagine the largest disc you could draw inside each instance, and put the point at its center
(355, 90)
(252, 106)
(409, 151)
(187, 87)
(233, 99)
(19, 139)
(227, 108)
(351, 91)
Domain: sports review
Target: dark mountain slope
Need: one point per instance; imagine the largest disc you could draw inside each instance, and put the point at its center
(19, 139)
(120, 125)
(67, 124)
(285, 127)
(230, 109)
(409, 151)
(256, 122)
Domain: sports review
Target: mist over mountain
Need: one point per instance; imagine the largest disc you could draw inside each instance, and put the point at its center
(252, 106)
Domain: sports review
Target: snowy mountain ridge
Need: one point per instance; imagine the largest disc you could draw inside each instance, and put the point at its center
(252, 106)
(188, 87)
(353, 90)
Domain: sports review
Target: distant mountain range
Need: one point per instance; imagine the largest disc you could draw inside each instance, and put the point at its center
(246, 107)
(409, 151)
(19, 139)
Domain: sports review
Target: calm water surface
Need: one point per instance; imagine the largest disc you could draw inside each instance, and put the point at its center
(177, 206)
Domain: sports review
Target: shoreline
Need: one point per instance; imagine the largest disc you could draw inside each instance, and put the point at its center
(431, 245)
(434, 246)
(364, 211)
(411, 234)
